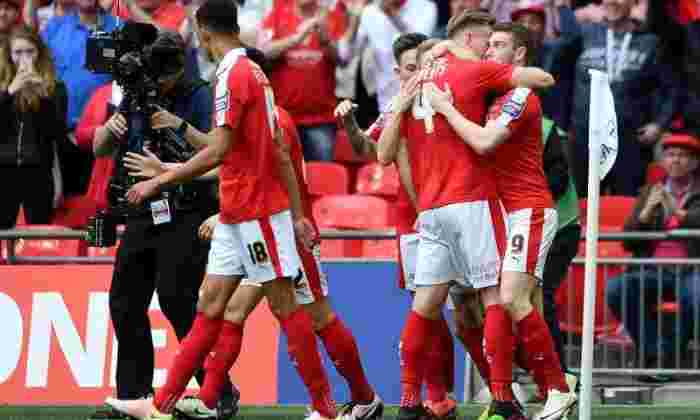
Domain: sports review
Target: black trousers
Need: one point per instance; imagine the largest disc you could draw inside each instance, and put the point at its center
(169, 259)
(30, 187)
(562, 252)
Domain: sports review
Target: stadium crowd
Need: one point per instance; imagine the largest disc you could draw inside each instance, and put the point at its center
(653, 58)
(59, 116)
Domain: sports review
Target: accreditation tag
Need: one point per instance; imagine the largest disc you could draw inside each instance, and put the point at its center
(160, 211)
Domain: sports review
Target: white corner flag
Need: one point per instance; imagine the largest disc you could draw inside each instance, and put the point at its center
(602, 149)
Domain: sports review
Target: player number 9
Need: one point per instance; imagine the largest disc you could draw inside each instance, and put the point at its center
(517, 243)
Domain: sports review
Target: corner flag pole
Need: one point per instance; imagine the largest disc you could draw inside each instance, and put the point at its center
(602, 144)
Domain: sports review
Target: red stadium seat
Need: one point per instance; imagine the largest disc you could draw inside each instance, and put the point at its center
(343, 149)
(324, 178)
(377, 179)
(570, 295)
(380, 249)
(74, 212)
(102, 252)
(613, 210)
(49, 247)
(352, 212)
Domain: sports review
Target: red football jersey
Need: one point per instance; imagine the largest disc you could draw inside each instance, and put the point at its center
(249, 184)
(445, 169)
(304, 76)
(291, 136)
(517, 162)
(405, 212)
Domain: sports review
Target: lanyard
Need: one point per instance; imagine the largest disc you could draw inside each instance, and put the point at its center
(615, 67)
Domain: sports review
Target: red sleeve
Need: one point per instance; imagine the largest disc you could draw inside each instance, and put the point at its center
(232, 93)
(170, 15)
(337, 21)
(267, 29)
(496, 77)
(517, 109)
(121, 10)
(94, 115)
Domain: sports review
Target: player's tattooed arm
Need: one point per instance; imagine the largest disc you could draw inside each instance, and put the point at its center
(361, 143)
(404, 167)
(481, 139)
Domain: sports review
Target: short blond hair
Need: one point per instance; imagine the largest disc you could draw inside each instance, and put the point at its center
(426, 46)
(469, 18)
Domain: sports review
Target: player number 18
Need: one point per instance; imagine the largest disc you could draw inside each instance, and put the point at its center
(257, 252)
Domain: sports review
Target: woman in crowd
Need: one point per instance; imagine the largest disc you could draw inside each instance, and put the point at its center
(32, 120)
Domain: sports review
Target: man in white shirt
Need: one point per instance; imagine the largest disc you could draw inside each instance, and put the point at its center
(377, 25)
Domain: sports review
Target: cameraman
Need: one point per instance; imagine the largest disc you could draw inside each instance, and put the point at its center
(160, 250)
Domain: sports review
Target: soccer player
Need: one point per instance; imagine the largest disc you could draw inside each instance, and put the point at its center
(514, 135)
(364, 144)
(311, 288)
(255, 238)
(460, 221)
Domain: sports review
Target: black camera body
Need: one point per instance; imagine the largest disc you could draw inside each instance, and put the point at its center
(135, 67)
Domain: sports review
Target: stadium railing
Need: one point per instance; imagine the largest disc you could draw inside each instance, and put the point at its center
(615, 351)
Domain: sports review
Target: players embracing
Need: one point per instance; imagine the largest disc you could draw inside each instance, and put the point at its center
(461, 227)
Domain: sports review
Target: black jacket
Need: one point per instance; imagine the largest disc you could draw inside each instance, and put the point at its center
(28, 138)
(644, 249)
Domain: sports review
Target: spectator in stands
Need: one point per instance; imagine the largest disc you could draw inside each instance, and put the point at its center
(673, 203)
(554, 57)
(32, 118)
(9, 16)
(66, 36)
(300, 37)
(680, 45)
(644, 90)
(457, 7)
(377, 25)
(37, 13)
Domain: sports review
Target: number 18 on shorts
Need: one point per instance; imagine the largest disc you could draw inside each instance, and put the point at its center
(260, 250)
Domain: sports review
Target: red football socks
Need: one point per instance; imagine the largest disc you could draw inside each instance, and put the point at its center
(439, 369)
(473, 341)
(189, 357)
(414, 338)
(301, 345)
(522, 361)
(539, 348)
(500, 341)
(221, 359)
(342, 349)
